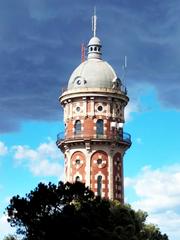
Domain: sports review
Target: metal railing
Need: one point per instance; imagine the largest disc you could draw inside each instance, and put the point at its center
(122, 89)
(119, 137)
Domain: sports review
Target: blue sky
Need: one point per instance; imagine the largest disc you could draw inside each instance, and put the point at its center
(39, 48)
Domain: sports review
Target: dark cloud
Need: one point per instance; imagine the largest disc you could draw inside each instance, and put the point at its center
(40, 46)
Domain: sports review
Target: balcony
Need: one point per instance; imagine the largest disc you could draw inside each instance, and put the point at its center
(123, 137)
(121, 89)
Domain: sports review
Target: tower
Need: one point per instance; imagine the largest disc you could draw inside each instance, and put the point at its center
(94, 142)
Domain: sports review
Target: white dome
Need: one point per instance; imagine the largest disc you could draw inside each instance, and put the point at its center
(94, 41)
(93, 73)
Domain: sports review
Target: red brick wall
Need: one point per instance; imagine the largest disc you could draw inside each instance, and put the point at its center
(88, 127)
(97, 168)
(78, 167)
(69, 128)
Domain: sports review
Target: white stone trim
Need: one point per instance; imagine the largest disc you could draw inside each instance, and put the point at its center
(71, 110)
(117, 176)
(110, 159)
(103, 194)
(91, 106)
(88, 169)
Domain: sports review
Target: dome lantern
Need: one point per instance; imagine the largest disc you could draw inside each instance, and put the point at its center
(94, 48)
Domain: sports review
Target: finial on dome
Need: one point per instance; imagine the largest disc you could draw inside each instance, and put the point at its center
(94, 22)
(94, 45)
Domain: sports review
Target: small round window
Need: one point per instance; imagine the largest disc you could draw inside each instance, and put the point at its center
(78, 82)
(99, 161)
(78, 161)
(100, 108)
(78, 109)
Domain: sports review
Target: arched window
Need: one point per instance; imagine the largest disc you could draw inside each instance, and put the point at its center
(99, 127)
(77, 127)
(99, 185)
(77, 178)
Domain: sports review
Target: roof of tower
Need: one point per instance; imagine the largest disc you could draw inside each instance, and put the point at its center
(94, 72)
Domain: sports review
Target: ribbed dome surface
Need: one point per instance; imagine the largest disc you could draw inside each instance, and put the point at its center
(93, 73)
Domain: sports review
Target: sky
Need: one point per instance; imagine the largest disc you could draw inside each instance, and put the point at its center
(40, 46)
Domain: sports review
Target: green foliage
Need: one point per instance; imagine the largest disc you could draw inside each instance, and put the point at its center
(152, 232)
(73, 211)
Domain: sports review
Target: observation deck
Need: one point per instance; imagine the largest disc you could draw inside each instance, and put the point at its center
(118, 138)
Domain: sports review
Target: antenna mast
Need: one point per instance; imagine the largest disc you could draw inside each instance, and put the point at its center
(94, 22)
(124, 67)
(82, 52)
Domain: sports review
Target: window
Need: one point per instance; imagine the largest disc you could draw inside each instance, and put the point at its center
(100, 108)
(99, 127)
(99, 185)
(99, 161)
(78, 109)
(77, 178)
(77, 127)
(78, 82)
(78, 161)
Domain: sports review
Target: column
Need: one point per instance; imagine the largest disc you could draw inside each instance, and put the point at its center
(110, 176)
(88, 169)
(92, 106)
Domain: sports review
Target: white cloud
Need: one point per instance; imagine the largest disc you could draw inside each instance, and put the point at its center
(45, 160)
(168, 221)
(128, 182)
(3, 149)
(157, 191)
(129, 109)
(5, 227)
(159, 188)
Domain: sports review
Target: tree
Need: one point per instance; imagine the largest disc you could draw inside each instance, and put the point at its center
(73, 211)
(10, 237)
(152, 232)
